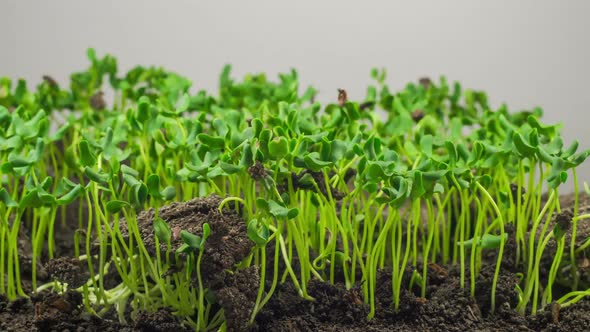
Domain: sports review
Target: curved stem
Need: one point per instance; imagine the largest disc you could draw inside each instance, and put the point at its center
(502, 240)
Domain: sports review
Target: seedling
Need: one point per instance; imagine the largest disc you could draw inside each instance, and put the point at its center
(337, 191)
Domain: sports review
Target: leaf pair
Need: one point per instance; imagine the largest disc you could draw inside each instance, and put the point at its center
(487, 241)
(192, 241)
(277, 210)
(153, 185)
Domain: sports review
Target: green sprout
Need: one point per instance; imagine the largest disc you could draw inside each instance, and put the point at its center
(400, 181)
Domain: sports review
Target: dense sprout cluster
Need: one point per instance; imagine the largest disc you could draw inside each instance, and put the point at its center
(397, 182)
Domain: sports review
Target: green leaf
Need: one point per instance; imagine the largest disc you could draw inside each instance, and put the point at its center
(140, 191)
(31, 199)
(206, 234)
(184, 104)
(13, 142)
(438, 188)
(487, 241)
(280, 211)
(71, 195)
(91, 54)
(525, 149)
(153, 185)
(46, 183)
(277, 209)
(247, 158)
(294, 212)
(87, 158)
(168, 193)
(143, 109)
(452, 152)
(60, 133)
(211, 141)
(555, 146)
(307, 181)
(19, 162)
(115, 206)
(192, 240)
(258, 232)
(45, 197)
(230, 168)
(128, 170)
(571, 150)
(278, 147)
(370, 187)
(96, 176)
(543, 129)
(36, 154)
(184, 248)
(534, 138)
(162, 230)
(544, 156)
(8, 201)
(426, 145)
(130, 180)
(557, 174)
(418, 189)
(313, 162)
(485, 180)
(262, 204)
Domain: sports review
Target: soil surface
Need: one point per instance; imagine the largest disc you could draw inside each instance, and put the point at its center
(446, 307)
(227, 245)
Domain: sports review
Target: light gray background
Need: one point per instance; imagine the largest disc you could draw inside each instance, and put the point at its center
(524, 53)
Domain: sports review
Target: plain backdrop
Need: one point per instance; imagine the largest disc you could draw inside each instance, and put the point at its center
(524, 53)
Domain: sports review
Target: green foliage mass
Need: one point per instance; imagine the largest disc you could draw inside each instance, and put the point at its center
(397, 181)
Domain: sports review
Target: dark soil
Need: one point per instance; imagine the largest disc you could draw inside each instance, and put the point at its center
(446, 307)
(582, 234)
(51, 312)
(237, 295)
(69, 270)
(227, 245)
(161, 320)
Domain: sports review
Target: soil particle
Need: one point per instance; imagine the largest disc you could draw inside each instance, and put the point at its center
(159, 321)
(320, 180)
(564, 220)
(51, 81)
(366, 105)
(257, 171)
(350, 173)
(514, 192)
(425, 82)
(69, 270)
(417, 115)
(237, 296)
(342, 97)
(437, 274)
(97, 101)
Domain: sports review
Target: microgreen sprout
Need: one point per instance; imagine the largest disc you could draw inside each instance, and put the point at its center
(408, 181)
